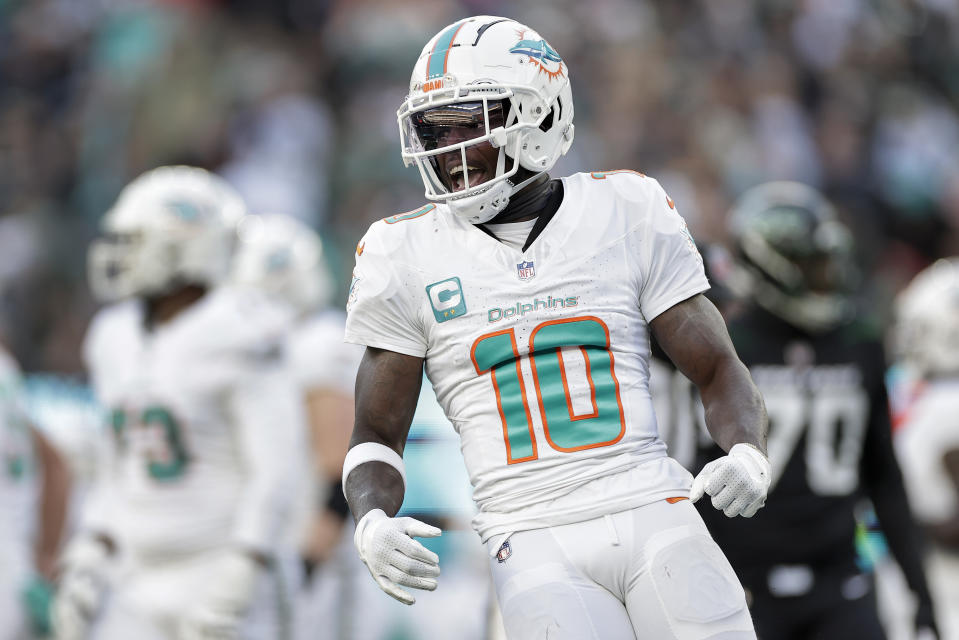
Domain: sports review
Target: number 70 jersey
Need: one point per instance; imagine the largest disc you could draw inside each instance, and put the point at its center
(540, 358)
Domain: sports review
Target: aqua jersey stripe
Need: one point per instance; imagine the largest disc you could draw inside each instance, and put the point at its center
(436, 68)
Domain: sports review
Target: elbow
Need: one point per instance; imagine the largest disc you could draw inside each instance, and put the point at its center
(729, 375)
(56, 474)
(945, 534)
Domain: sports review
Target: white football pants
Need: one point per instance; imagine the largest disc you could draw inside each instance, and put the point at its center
(651, 573)
(148, 602)
(14, 573)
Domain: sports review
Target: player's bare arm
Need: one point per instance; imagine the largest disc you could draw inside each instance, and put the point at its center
(694, 336)
(947, 533)
(329, 418)
(54, 497)
(387, 388)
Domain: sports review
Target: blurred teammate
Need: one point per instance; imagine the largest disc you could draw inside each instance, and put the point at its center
(530, 302)
(34, 490)
(927, 440)
(820, 370)
(284, 258)
(185, 532)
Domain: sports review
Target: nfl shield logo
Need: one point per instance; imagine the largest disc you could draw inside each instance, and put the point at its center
(504, 552)
(525, 270)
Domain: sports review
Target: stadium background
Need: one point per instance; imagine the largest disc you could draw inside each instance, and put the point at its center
(293, 101)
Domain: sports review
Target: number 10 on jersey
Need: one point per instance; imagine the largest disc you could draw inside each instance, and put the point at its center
(565, 428)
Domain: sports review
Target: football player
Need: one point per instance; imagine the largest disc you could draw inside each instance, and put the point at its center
(530, 301)
(926, 335)
(34, 491)
(284, 258)
(820, 369)
(188, 521)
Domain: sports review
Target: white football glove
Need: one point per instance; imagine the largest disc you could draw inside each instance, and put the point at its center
(221, 607)
(738, 482)
(86, 566)
(925, 633)
(393, 557)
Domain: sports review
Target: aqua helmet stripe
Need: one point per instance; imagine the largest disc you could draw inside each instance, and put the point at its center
(436, 67)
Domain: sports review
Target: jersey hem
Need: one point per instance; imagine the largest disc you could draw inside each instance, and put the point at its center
(685, 294)
(581, 515)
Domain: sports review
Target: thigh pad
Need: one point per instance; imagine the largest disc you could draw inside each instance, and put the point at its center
(696, 585)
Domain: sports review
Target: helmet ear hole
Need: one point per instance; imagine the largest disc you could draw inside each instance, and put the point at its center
(547, 122)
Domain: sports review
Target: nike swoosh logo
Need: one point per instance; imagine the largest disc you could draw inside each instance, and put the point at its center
(359, 248)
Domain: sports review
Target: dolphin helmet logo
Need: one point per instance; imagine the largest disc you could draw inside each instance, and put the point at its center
(538, 49)
(541, 54)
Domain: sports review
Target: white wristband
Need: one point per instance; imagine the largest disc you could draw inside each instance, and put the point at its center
(372, 452)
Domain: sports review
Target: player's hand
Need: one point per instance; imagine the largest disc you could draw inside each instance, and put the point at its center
(394, 558)
(926, 633)
(738, 482)
(38, 600)
(84, 580)
(220, 609)
(926, 620)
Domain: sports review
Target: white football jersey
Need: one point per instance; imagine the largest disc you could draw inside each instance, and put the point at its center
(927, 430)
(930, 428)
(318, 357)
(540, 359)
(176, 397)
(18, 487)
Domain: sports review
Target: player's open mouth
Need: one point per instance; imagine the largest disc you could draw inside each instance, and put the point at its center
(457, 174)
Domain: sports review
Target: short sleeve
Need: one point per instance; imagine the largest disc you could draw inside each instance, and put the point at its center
(380, 309)
(672, 268)
(112, 332)
(319, 358)
(94, 340)
(11, 388)
(919, 443)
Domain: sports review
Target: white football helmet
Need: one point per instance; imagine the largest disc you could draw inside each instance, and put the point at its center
(492, 80)
(926, 330)
(284, 257)
(170, 226)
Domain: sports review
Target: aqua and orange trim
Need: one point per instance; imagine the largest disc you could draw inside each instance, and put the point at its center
(409, 215)
(601, 175)
(440, 54)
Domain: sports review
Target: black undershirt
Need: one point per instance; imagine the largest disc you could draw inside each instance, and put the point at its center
(541, 199)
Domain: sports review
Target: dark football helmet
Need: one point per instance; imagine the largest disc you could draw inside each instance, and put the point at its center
(793, 256)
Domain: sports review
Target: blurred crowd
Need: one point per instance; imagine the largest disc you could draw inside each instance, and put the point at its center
(294, 102)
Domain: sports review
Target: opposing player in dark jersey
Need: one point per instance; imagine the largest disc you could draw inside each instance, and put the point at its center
(820, 369)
